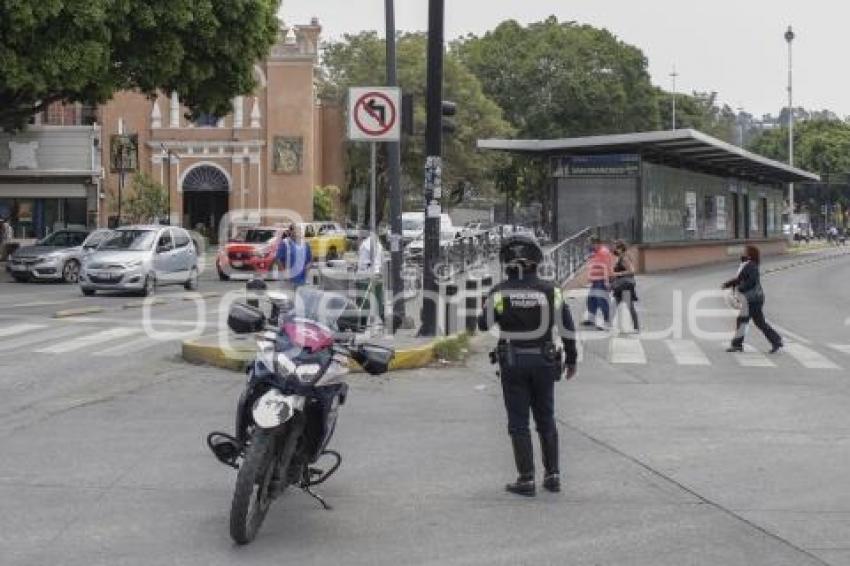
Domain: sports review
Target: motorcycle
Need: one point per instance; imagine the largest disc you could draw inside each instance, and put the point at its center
(287, 413)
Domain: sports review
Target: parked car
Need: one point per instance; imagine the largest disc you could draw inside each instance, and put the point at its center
(413, 227)
(327, 240)
(252, 251)
(57, 257)
(140, 258)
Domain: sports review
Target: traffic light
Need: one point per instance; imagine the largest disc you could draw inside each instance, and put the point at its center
(449, 110)
(408, 126)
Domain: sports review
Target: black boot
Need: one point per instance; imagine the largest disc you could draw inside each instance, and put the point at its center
(549, 448)
(524, 457)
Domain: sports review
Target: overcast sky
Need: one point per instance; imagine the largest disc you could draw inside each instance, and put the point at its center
(733, 47)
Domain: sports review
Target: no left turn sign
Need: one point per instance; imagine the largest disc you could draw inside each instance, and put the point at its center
(373, 114)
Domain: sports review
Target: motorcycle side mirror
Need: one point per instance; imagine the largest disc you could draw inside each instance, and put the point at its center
(244, 319)
(375, 360)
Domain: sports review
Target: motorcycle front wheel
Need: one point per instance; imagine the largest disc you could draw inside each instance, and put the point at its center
(252, 496)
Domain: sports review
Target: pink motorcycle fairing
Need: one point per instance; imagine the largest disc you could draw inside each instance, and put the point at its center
(309, 335)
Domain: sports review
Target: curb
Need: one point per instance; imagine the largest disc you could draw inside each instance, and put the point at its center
(237, 359)
(78, 312)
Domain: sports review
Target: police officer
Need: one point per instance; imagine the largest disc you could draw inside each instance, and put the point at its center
(531, 315)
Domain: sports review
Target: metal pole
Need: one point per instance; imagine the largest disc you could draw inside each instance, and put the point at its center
(789, 37)
(394, 171)
(120, 187)
(433, 167)
(674, 74)
(373, 227)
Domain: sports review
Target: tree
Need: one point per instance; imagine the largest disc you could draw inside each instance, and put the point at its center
(73, 51)
(359, 60)
(325, 201)
(147, 201)
(699, 111)
(560, 79)
(822, 146)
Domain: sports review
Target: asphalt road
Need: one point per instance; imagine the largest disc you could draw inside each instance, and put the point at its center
(673, 451)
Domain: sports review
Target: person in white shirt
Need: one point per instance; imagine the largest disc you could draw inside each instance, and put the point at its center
(364, 262)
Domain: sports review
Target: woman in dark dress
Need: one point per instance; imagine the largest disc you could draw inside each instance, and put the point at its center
(748, 285)
(623, 282)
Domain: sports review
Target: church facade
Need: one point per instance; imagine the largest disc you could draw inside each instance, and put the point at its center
(277, 145)
(74, 164)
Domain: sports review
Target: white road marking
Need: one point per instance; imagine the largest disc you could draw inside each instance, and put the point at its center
(843, 348)
(809, 358)
(131, 347)
(687, 353)
(752, 358)
(20, 329)
(627, 351)
(88, 340)
(38, 337)
(795, 337)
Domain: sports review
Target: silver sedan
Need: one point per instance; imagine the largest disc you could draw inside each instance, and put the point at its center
(57, 257)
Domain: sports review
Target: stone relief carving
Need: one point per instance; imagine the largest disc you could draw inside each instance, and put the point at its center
(23, 155)
(288, 155)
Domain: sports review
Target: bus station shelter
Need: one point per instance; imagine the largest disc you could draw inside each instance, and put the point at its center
(681, 197)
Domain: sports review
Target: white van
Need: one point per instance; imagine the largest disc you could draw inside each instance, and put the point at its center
(413, 227)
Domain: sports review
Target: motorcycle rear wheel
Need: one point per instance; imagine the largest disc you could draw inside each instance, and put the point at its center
(252, 497)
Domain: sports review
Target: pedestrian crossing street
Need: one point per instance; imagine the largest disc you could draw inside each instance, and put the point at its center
(631, 350)
(74, 338)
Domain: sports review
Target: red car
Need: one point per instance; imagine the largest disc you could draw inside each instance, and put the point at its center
(252, 251)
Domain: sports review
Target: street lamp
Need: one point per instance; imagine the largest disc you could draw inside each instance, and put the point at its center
(789, 38)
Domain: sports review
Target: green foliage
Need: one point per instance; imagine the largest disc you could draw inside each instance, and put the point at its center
(147, 201)
(360, 60)
(325, 202)
(560, 79)
(452, 349)
(699, 111)
(84, 51)
(821, 146)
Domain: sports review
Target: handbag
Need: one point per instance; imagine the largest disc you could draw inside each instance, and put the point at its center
(624, 283)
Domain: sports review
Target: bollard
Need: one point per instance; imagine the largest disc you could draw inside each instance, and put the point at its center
(450, 311)
(471, 304)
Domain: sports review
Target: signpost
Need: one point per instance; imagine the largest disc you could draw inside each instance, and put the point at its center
(374, 116)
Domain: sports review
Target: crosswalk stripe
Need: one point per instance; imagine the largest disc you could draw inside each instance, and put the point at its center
(843, 348)
(33, 338)
(20, 329)
(787, 333)
(809, 358)
(687, 353)
(89, 340)
(131, 347)
(627, 351)
(752, 358)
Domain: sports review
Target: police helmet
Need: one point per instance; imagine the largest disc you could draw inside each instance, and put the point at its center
(520, 250)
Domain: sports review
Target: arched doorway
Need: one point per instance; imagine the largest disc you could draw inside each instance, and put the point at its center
(206, 195)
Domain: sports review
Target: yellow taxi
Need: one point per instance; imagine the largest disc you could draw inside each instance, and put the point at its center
(326, 240)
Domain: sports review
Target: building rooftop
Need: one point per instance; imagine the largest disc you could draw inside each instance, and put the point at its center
(686, 148)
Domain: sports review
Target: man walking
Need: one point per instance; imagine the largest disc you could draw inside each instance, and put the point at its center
(294, 258)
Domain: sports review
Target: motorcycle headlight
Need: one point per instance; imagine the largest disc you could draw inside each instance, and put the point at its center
(308, 372)
(274, 408)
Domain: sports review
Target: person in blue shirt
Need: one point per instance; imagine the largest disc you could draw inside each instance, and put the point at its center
(294, 258)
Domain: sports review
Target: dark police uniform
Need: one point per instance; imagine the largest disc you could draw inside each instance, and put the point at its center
(531, 314)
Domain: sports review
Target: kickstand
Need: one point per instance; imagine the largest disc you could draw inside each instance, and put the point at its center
(317, 497)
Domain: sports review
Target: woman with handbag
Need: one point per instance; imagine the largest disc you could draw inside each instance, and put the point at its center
(623, 282)
(748, 285)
